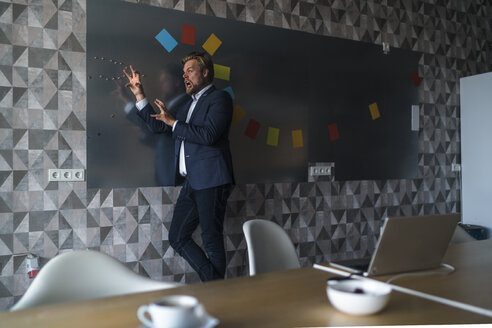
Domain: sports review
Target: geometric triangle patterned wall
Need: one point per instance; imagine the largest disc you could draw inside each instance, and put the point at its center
(43, 126)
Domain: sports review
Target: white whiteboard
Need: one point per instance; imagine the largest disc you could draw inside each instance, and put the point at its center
(476, 149)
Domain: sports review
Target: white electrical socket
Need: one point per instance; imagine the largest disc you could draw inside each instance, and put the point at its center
(66, 174)
(319, 170)
(455, 167)
(53, 175)
(78, 175)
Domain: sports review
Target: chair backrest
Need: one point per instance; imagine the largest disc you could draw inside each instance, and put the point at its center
(81, 275)
(269, 247)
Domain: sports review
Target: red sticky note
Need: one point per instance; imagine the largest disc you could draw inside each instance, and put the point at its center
(252, 129)
(188, 34)
(333, 129)
(416, 79)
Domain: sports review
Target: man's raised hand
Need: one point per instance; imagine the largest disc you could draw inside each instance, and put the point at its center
(134, 83)
(164, 115)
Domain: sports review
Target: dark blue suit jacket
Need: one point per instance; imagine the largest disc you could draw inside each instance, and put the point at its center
(206, 139)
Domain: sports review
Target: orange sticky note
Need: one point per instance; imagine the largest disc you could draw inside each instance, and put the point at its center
(237, 114)
(272, 137)
(374, 110)
(212, 44)
(222, 72)
(297, 138)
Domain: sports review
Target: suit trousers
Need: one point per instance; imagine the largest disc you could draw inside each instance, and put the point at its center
(206, 208)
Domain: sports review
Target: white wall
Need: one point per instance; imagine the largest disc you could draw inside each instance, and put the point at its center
(476, 149)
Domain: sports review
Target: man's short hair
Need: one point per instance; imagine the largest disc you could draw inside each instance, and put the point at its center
(204, 61)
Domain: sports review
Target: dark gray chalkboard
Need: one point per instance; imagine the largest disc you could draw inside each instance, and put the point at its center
(283, 79)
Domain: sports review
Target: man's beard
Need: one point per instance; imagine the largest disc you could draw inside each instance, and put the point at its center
(192, 90)
(195, 88)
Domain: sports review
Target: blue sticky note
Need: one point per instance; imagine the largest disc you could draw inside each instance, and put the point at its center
(229, 90)
(166, 40)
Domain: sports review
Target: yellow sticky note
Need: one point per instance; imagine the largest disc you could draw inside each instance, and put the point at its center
(272, 137)
(297, 138)
(222, 72)
(238, 114)
(374, 111)
(212, 44)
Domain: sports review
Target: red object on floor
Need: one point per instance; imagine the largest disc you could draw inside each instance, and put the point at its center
(32, 274)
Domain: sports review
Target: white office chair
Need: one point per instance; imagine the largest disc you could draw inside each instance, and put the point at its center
(81, 275)
(460, 236)
(269, 247)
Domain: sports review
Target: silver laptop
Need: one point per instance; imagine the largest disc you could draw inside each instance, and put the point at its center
(407, 243)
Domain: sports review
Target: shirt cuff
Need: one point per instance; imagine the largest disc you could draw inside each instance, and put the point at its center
(128, 107)
(141, 104)
(174, 125)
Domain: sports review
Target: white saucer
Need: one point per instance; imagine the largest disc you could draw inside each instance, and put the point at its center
(209, 322)
(206, 320)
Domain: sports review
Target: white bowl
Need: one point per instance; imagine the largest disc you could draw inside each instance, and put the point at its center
(358, 297)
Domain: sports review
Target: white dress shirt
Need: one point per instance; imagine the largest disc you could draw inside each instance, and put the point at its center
(182, 164)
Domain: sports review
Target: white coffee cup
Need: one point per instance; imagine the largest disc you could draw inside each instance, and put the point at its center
(171, 312)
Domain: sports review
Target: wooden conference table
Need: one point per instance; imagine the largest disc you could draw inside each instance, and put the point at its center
(471, 283)
(294, 298)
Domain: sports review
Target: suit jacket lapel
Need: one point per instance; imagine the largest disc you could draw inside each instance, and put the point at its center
(181, 115)
(202, 98)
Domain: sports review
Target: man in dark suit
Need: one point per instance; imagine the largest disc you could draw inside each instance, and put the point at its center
(171, 91)
(203, 162)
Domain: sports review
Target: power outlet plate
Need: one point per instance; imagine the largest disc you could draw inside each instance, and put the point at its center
(75, 175)
(319, 170)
